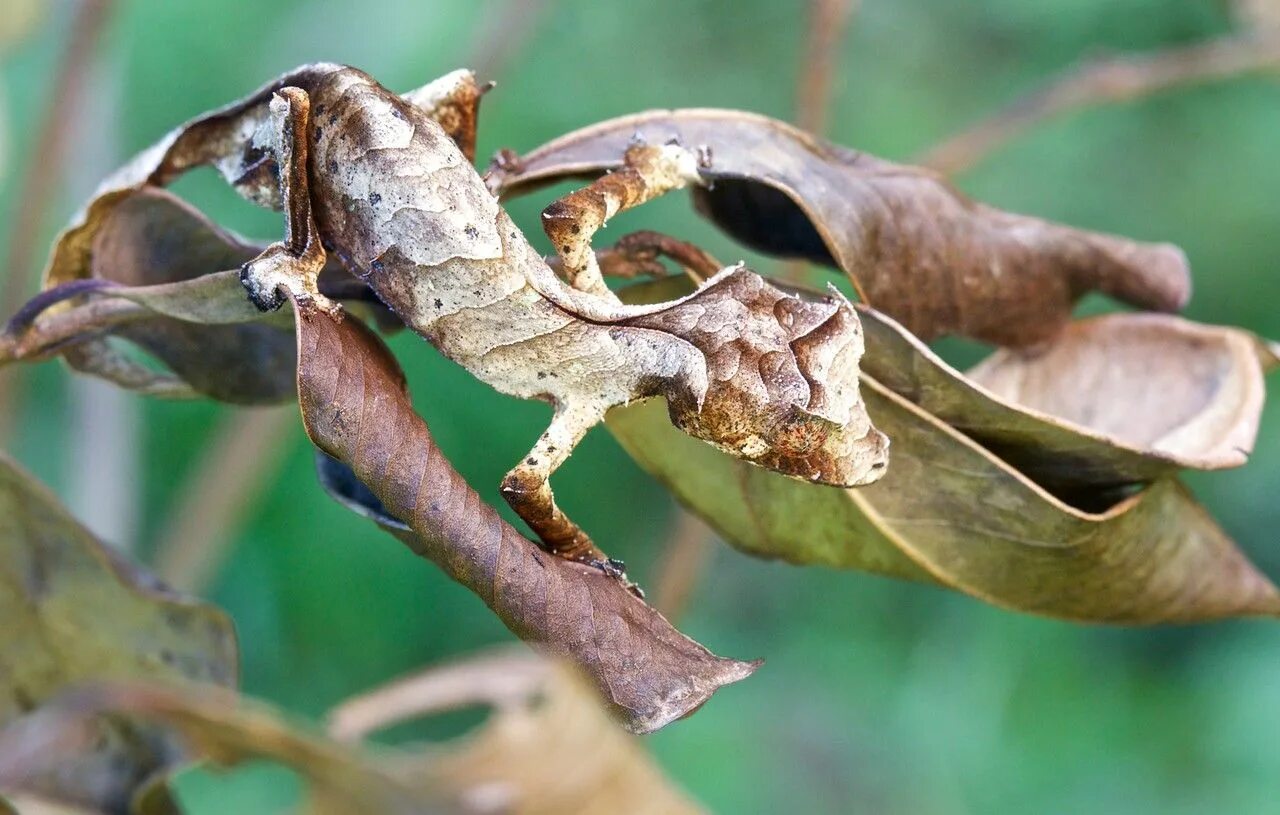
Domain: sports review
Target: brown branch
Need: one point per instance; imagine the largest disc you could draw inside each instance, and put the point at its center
(233, 469)
(40, 181)
(686, 556)
(1107, 80)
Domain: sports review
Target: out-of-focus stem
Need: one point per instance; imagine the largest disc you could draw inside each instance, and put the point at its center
(828, 21)
(1107, 80)
(689, 549)
(234, 468)
(506, 27)
(40, 181)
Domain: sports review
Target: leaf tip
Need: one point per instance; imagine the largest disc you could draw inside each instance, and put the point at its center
(726, 672)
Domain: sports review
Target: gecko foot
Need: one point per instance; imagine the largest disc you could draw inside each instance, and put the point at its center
(618, 571)
(277, 270)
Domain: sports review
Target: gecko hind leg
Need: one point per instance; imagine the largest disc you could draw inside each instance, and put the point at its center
(648, 171)
(644, 247)
(292, 265)
(527, 488)
(637, 254)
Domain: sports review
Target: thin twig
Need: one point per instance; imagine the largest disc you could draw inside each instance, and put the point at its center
(686, 556)
(233, 469)
(43, 172)
(1107, 80)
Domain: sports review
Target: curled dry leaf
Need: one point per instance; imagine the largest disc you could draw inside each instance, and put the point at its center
(951, 511)
(75, 611)
(154, 275)
(914, 247)
(225, 729)
(1114, 400)
(356, 409)
(541, 708)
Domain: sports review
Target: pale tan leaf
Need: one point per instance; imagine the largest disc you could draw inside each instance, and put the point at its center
(1163, 392)
(541, 708)
(1114, 400)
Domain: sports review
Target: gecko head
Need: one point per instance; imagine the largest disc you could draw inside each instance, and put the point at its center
(794, 441)
(782, 388)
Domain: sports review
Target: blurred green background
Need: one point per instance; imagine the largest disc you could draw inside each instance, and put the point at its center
(877, 696)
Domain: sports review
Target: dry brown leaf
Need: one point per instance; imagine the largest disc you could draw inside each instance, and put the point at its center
(1114, 400)
(916, 248)
(540, 708)
(75, 611)
(357, 410)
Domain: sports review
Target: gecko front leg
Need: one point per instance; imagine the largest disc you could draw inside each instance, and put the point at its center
(648, 171)
(292, 265)
(527, 488)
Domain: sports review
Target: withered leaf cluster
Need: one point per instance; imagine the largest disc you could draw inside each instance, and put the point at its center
(74, 611)
(540, 708)
(110, 682)
(1045, 480)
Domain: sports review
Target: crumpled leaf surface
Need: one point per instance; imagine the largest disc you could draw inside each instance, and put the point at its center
(916, 248)
(949, 511)
(356, 409)
(1118, 399)
(73, 610)
(541, 708)
(222, 728)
